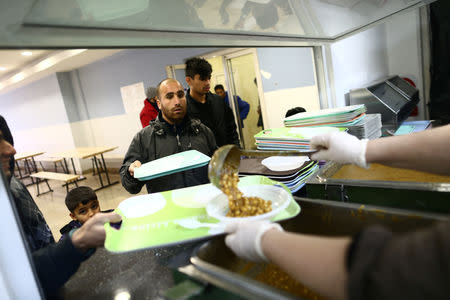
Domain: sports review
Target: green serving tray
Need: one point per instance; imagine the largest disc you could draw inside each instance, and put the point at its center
(149, 221)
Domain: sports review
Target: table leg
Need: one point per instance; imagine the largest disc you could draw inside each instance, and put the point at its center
(28, 169)
(18, 169)
(106, 170)
(34, 164)
(67, 167)
(73, 166)
(98, 172)
(106, 173)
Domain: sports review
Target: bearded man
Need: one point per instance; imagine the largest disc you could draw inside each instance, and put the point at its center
(173, 131)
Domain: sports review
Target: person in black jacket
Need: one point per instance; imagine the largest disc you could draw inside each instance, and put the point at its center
(209, 108)
(172, 132)
(54, 262)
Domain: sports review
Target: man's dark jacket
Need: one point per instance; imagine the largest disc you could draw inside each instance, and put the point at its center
(160, 139)
(217, 115)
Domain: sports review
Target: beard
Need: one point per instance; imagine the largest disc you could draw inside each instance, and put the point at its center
(171, 116)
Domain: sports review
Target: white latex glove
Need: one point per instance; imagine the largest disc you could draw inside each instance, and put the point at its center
(340, 147)
(245, 238)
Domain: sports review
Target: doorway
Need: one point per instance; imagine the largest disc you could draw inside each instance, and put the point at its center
(237, 72)
(242, 83)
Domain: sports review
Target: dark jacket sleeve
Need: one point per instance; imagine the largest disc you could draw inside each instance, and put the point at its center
(135, 152)
(56, 263)
(244, 108)
(230, 131)
(210, 139)
(411, 266)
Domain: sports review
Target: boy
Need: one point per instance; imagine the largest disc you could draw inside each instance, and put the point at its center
(83, 204)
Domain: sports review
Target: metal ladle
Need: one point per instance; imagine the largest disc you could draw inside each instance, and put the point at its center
(231, 155)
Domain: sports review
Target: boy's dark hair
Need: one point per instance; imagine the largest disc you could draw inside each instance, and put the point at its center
(198, 66)
(82, 194)
(294, 111)
(219, 87)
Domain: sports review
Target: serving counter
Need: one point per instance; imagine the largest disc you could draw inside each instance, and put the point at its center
(214, 271)
(383, 186)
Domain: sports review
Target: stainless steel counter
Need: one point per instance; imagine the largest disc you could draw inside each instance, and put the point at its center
(148, 274)
(143, 274)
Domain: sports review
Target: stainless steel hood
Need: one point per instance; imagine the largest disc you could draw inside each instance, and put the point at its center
(116, 23)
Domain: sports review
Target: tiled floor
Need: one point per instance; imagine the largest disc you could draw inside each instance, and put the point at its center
(54, 209)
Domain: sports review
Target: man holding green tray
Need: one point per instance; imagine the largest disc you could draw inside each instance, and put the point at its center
(173, 131)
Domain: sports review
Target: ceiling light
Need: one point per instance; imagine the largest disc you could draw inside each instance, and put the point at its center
(2, 69)
(27, 53)
(18, 77)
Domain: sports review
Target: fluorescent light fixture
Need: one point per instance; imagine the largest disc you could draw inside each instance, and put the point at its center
(27, 53)
(2, 69)
(18, 77)
(42, 65)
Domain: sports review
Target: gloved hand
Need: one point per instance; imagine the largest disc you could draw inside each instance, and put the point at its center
(340, 147)
(245, 238)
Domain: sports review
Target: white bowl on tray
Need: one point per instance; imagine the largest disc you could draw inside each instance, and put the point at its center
(218, 207)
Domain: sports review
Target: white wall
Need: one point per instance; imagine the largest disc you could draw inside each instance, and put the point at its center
(403, 49)
(359, 60)
(391, 48)
(288, 81)
(306, 97)
(37, 117)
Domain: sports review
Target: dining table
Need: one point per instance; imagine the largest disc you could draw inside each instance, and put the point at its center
(96, 153)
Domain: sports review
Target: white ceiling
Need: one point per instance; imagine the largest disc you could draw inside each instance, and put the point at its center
(16, 63)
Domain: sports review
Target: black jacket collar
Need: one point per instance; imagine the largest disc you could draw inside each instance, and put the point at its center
(188, 124)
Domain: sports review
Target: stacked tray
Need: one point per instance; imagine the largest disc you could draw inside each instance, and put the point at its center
(336, 117)
(293, 139)
(367, 128)
(178, 162)
(294, 178)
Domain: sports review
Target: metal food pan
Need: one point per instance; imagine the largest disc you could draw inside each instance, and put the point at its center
(382, 186)
(216, 264)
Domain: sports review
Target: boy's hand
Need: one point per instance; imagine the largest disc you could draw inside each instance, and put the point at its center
(134, 165)
(92, 233)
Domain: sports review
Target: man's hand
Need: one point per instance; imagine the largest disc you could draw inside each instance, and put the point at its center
(245, 238)
(340, 147)
(92, 233)
(134, 165)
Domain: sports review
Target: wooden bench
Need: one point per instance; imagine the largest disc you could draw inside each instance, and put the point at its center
(45, 176)
(55, 161)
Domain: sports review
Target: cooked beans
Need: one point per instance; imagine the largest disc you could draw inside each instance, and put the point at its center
(241, 206)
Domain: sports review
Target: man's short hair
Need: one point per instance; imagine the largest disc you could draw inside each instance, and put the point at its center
(151, 92)
(82, 194)
(294, 111)
(198, 66)
(158, 87)
(219, 87)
